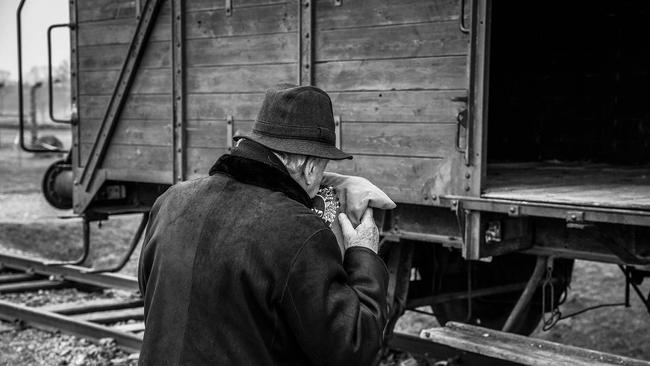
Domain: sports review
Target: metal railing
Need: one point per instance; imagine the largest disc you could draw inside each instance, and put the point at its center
(21, 113)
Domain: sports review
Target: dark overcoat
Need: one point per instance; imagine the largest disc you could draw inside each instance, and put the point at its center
(236, 270)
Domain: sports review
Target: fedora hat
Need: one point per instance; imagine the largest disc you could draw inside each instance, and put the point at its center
(297, 120)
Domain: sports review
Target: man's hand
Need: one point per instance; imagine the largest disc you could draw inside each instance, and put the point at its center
(365, 235)
(355, 194)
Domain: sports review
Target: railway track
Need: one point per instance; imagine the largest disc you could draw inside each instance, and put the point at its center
(119, 319)
(122, 320)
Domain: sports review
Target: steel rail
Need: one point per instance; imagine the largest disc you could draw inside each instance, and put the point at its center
(69, 273)
(458, 342)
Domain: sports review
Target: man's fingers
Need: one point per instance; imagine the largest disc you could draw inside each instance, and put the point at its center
(367, 218)
(356, 208)
(346, 225)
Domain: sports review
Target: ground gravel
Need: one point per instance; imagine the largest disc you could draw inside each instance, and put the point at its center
(22, 346)
(28, 346)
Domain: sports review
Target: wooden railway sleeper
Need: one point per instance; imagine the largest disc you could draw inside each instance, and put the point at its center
(69, 273)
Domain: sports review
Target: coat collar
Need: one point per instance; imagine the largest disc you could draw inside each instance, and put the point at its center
(252, 163)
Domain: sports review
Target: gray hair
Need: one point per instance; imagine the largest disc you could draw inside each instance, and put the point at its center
(293, 162)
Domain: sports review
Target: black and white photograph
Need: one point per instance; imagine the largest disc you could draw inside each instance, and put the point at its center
(324, 182)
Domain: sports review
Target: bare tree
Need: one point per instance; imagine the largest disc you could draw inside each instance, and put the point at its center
(4, 81)
(36, 74)
(62, 72)
(4, 76)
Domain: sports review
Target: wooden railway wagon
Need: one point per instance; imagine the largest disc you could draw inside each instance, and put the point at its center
(514, 137)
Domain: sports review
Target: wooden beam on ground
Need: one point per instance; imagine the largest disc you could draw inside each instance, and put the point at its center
(520, 349)
(112, 316)
(439, 352)
(130, 327)
(72, 273)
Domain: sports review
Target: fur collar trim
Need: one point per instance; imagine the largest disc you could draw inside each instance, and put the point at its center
(252, 163)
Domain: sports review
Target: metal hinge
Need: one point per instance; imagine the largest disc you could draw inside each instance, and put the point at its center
(337, 131)
(455, 206)
(228, 8)
(229, 132)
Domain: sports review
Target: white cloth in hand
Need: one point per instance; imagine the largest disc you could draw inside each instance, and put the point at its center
(355, 194)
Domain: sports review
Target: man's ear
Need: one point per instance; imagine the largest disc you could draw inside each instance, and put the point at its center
(309, 170)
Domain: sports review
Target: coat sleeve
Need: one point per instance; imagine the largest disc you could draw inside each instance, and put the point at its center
(337, 311)
(146, 255)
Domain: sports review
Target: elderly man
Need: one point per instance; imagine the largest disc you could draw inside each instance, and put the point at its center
(236, 269)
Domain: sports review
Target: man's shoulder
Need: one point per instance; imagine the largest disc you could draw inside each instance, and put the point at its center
(278, 207)
(273, 208)
(186, 189)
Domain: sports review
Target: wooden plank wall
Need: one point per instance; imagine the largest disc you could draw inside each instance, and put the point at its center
(231, 61)
(393, 70)
(142, 139)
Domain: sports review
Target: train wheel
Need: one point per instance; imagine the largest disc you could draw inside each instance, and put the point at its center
(492, 311)
(57, 185)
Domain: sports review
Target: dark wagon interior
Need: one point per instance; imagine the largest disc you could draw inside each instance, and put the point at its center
(569, 103)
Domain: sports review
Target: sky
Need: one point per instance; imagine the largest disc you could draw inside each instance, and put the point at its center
(37, 16)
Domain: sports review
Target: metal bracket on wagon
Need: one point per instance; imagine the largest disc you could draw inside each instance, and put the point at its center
(575, 220)
(583, 214)
(118, 99)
